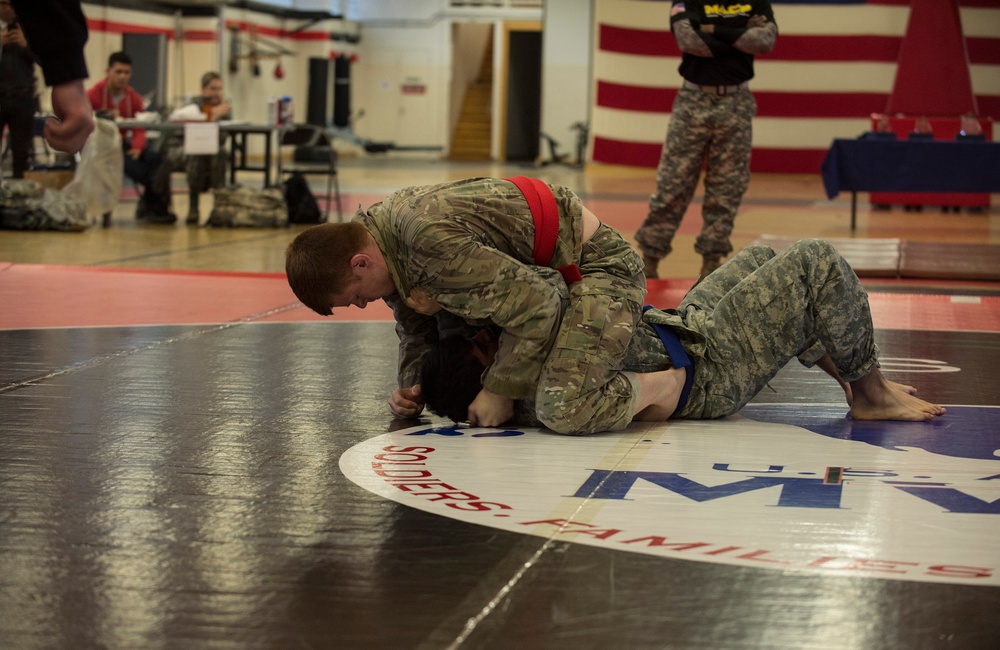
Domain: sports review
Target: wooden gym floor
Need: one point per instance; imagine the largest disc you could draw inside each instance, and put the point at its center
(189, 458)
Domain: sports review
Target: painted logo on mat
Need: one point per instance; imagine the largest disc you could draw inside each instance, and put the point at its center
(769, 488)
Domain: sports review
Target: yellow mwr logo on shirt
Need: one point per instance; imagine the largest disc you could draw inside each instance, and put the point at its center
(727, 10)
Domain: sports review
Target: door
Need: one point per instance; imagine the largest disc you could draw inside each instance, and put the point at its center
(149, 67)
(523, 109)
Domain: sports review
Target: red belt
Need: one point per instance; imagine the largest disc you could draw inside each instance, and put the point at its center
(545, 213)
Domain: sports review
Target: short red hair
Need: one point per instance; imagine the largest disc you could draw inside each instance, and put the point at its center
(318, 262)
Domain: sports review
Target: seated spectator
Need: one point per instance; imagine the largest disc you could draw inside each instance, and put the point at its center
(970, 128)
(18, 100)
(112, 95)
(207, 172)
(883, 130)
(922, 129)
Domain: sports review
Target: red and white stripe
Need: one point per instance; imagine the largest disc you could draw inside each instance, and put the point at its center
(832, 66)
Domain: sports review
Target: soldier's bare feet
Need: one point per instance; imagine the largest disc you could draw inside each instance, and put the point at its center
(876, 398)
(909, 390)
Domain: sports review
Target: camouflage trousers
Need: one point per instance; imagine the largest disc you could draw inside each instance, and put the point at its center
(742, 324)
(710, 130)
(206, 172)
(581, 388)
(746, 320)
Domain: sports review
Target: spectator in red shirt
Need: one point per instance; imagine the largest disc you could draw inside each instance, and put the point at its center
(112, 97)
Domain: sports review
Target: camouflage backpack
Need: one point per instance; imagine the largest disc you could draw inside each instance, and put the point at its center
(26, 205)
(238, 207)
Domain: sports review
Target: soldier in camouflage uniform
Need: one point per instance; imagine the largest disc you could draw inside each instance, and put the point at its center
(710, 125)
(467, 247)
(740, 327)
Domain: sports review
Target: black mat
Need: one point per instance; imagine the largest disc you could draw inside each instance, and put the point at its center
(179, 487)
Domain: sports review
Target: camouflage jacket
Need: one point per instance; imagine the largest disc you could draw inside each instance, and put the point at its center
(468, 244)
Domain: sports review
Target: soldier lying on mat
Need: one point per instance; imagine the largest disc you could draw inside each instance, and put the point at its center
(730, 335)
(475, 248)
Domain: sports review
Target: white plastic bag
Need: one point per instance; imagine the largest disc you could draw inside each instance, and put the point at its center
(97, 182)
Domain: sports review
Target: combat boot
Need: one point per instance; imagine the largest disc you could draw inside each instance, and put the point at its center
(193, 213)
(708, 265)
(649, 267)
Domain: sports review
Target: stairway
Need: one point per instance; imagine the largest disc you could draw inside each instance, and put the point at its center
(472, 136)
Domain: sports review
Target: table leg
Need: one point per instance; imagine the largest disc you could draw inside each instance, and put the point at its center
(854, 209)
(267, 159)
(233, 146)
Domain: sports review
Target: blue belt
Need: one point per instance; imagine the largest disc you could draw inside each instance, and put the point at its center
(678, 357)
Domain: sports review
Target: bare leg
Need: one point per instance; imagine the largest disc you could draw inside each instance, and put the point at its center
(826, 364)
(876, 398)
(659, 393)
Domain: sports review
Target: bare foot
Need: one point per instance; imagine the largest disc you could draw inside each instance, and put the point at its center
(659, 394)
(909, 390)
(876, 398)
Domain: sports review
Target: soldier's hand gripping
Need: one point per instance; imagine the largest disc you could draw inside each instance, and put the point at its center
(421, 303)
(406, 402)
(490, 409)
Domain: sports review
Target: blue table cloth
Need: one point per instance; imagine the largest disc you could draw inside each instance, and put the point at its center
(911, 166)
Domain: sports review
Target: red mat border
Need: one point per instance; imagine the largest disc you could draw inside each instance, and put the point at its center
(63, 296)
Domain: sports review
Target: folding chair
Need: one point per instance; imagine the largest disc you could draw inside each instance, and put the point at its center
(313, 154)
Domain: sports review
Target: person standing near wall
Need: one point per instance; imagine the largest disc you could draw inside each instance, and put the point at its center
(18, 98)
(710, 125)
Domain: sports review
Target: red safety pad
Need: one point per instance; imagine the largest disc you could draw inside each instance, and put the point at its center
(38, 295)
(64, 296)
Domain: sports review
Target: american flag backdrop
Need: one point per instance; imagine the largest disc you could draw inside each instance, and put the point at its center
(833, 65)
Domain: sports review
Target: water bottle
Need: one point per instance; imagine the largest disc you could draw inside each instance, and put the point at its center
(272, 110)
(287, 114)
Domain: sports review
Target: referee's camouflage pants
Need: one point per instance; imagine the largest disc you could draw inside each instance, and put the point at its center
(710, 130)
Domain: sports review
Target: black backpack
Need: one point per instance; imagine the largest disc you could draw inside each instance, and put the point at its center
(302, 205)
